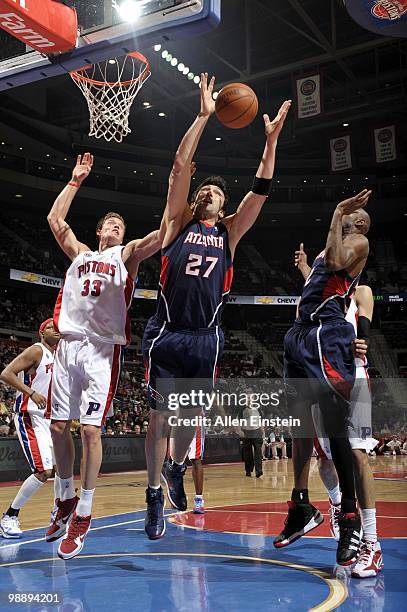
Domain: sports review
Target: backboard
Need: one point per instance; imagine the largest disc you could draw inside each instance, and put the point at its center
(104, 33)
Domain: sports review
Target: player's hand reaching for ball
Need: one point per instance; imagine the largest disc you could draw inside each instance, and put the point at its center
(83, 167)
(207, 101)
(39, 400)
(273, 128)
(349, 206)
(300, 258)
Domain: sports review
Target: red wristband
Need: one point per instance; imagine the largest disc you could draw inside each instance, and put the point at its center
(72, 184)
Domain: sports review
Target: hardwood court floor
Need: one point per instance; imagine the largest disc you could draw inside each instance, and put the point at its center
(225, 485)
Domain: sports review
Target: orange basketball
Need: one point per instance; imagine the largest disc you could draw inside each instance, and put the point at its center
(237, 105)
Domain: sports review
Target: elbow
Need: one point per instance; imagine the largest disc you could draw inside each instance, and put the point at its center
(3, 375)
(51, 218)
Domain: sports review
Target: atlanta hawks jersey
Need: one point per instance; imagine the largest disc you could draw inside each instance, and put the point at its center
(40, 382)
(95, 298)
(326, 295)
(352, 317)
(196, 276)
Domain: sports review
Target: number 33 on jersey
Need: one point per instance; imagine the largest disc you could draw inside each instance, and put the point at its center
(95, 298)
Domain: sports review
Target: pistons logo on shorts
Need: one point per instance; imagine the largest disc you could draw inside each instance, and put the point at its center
(93, 407)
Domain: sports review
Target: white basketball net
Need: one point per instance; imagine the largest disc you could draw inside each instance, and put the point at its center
(110, 88)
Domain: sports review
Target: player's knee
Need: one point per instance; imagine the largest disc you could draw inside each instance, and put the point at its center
(359, 457)
(43, 476)
(90, 434)
(59, 428)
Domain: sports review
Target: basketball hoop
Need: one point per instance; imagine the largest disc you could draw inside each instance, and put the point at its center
(110, 88)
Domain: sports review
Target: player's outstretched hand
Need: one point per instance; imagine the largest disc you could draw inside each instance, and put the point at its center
(349, 206)
(40, 400)
(273, 128)
(83, 167)
(207, 101)
(300, 257)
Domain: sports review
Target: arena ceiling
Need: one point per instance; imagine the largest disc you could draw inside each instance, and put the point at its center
(265, 43)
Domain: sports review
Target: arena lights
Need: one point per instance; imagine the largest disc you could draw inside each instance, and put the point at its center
(345, 124)
(162, 115)
(182, 67)
(129, 10)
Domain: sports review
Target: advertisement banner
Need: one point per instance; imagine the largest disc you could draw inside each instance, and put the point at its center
(308, 96)
(36, 279)
(341, 158)
(385, 144)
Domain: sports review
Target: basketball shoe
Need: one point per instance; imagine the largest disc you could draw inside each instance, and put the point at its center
(60, 520)
(301, 518)
(199, 506)
(334, 514)
(154, 525)
(173, 475)
(369, 562)
(73, 541)
(10, 527)
(350, 533)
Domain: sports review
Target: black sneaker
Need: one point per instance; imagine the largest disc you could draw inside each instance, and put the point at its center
(301, 519)
(173, 475)
(154, 523)
(350, 534)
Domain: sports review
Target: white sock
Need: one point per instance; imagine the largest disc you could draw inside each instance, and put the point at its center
(57, 487)
(335, 495)
(198, 496)
(154, 487)
(84, 507)
(27, 489)
(368, 516)
(67, 490)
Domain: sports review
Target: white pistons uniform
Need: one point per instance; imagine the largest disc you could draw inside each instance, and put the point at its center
(31, 423)
(360, 415)
(91, 314)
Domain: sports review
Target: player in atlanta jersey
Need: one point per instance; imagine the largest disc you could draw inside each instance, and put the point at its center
(360, 314)
(30, 374)
(91, 313)
(320, 369)
(184, 339)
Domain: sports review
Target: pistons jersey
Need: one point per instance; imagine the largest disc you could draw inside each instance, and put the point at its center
(95, 298)
(196, 276)
(40, 382)
(326, 295)
(352, 317)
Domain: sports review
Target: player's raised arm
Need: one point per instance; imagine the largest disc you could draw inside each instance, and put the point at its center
(137, 250)
(348, 252)
(57, 215)
(28, 360)
(301, 262)
(179, 182)
(250, 207)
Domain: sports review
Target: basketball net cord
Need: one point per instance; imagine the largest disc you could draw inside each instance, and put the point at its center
(109, 101)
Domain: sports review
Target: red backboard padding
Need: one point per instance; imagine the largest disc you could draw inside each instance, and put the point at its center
(46, 26)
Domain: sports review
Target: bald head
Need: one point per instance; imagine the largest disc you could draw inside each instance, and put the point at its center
(362, 221)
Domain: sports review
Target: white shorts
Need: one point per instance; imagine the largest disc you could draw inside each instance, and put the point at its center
(84, 380)
(196, 450)
(360, 419)
(34, 434)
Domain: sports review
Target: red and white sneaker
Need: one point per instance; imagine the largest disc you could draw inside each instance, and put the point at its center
(72, 543)
(369, 562)
(334, 514)
(60, 521)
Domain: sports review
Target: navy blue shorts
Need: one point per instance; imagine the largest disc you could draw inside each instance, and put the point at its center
(179, 360)
(319, 368)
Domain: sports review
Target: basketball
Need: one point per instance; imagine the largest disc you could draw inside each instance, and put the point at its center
(236, 106)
